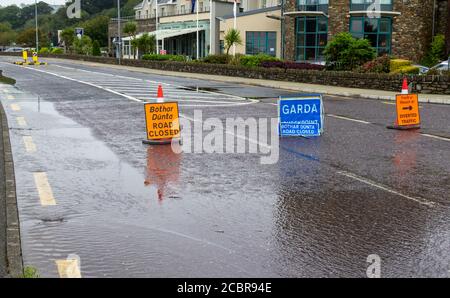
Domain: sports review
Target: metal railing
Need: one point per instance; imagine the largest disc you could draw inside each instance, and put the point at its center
(178, 12)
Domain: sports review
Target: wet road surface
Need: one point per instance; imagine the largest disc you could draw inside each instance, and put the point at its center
(128, 210)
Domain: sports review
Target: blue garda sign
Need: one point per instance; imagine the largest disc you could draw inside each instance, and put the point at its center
(301, 115)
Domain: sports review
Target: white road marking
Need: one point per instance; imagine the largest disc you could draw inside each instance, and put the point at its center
(44, 189)
(21, 121)
(349, 119)
(15, 107)
(30, 147)
(386, 188)
(148, 81)
(436, 137)
(69, 268)
(10, 97)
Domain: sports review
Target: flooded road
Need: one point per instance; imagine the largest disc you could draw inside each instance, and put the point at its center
(124, 209)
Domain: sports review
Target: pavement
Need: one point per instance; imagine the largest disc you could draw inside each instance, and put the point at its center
(93, 198)
(289, 86)
(10, 245)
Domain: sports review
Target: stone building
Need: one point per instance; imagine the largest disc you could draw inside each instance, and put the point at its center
(403, 28)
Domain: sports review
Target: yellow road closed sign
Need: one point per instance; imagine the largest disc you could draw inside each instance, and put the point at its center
(162, 120)
(408, 109)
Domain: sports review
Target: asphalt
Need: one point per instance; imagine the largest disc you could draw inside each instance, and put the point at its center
(128, 210)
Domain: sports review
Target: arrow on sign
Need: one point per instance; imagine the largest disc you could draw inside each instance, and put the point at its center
(408, 108)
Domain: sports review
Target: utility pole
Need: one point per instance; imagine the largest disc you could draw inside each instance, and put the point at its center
(119, 42)
(37, 29)
(156, 28)
(198, 34)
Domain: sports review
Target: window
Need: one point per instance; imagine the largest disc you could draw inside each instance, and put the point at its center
(312, 5)
(377, 30)
(357, 5)
(311, 38)
(260, 42)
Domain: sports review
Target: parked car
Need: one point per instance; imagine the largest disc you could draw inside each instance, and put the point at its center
(422, 69)
(441, 66)
(14, 50)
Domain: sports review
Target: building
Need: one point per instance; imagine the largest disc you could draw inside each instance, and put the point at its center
(177, 27)
(403, 28)
(260, 30)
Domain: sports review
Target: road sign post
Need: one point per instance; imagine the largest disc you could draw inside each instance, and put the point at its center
(301, 115)
(162, 123)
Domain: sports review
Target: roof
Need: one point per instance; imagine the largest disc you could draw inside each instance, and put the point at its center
(166, 33)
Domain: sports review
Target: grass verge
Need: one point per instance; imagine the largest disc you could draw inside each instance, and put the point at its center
(7, 80)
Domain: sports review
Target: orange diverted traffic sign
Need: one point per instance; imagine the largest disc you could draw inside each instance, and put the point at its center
(408, 109)
(162, 120)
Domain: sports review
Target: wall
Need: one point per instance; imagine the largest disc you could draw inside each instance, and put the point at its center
(255, 22)
(420, 84)
(412, 29)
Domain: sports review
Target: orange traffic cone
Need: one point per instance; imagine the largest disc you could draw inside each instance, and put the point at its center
(405, 86)
(160, 96)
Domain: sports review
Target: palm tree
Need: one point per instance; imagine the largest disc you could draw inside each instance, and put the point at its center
(233, 37)
(131, 30)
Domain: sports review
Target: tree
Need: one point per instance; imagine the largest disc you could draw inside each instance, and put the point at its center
(437, 52)
(145, 44)
(233, 37)
(27, 38)
(346, 53)
(96, 48)
(83, 45)
(67, 37)
(97, 29)
(131, 30)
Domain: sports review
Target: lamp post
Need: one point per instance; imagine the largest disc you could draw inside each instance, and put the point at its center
(37, 29)
(119, 41)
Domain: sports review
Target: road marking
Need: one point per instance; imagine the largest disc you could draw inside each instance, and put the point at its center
(349, 119)
(21, 121)
(386, 188)
(148, 81)
(436, 137)
(69, 268)
(389, 103)
(29, 144)
(6, 90)
(44, 189)
(11, 97)
(15, 107)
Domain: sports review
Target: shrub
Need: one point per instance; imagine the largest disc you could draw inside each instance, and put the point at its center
(256, 60)
(436, 52)
(344, 52)
(217, 59)
(57, 51)
(291, 65)
(157, 57)
(396, 64)
(407, 70)
(380, 64)
(44, 51)
(96, 48)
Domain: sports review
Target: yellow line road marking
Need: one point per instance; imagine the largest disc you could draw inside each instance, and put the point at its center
(15, 107)
(29, 144)
(21, 121)
(68, 268)
(10, 97)
(44, 189)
